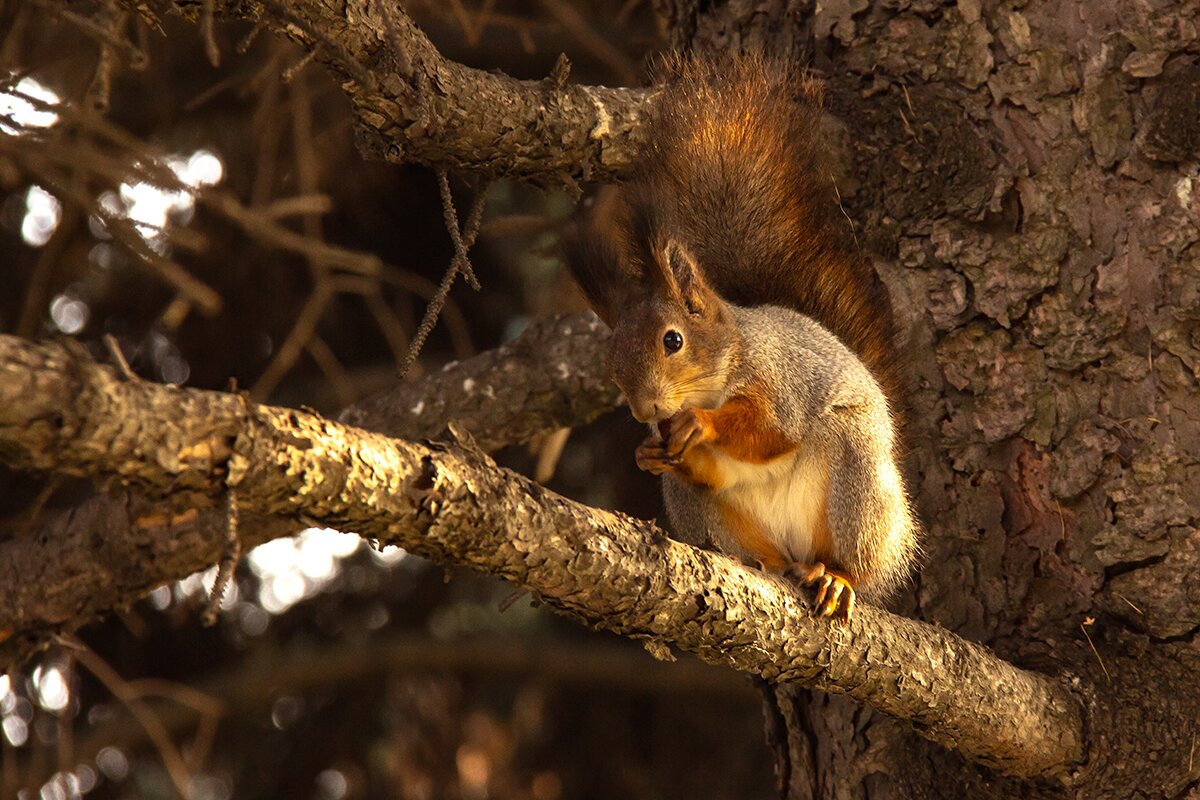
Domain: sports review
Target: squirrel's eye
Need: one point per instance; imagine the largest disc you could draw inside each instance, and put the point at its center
(672, 341)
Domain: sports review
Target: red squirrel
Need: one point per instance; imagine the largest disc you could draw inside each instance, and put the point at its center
(751, 334)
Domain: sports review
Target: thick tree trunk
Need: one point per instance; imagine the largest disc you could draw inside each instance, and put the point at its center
(1026, 176)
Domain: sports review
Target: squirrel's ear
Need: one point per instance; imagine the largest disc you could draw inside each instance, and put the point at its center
(684, 273)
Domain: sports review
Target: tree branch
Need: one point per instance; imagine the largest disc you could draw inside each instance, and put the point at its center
(111, 550)
(551, 376)
(60, 411)
(413, 105)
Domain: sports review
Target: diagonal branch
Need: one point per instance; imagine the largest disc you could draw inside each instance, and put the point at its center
(59, 411)
(110, 551)
(413, 105)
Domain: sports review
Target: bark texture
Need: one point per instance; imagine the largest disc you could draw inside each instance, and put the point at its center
(1025, 174)
(452, 504)
(551, 376)
(111, 550)
(413, 105)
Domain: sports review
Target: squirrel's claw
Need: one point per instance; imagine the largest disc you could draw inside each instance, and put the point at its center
(832, 588)
(651, 456)
(688, 428)
(684, 431)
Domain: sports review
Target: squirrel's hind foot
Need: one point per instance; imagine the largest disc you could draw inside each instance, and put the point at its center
(835, 593)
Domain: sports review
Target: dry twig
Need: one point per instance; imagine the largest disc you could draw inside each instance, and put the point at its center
(463, 240)
(117, 686)
(229, 560)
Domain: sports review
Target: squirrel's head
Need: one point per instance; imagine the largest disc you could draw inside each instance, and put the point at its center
(673, 337)
(674, 340)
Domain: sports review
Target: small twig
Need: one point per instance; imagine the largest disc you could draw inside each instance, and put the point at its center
(452, 315)
(907, 127)
(229, 560)
(626, 12)
(450, 214)
(526, 41)
(267, 124)
(110, 36)
(337, 375)
(1129, 603)
(511, 599)
(343, 58)
(142, 27)
(175, 313)
(126, 233)
(49, 260)
(210, 709)
(577, 25)
(262, 226)
(842, 208)
(395, 40)
(482, 16)
(66, 729)
(463, 240)
(244, 45)
(299, 205)
(206, 31)
(118, 358)
(464, 19)
(290, 73)
(517, 225)
(549, 452)
(120, 689)
(100, 90)
(388, 322)
(228, 82)
(180, 693)
(1083, 627)
(37, 506)
(303, 329)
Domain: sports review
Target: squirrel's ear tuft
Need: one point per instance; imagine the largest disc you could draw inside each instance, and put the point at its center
(668, 265)
(685, 274)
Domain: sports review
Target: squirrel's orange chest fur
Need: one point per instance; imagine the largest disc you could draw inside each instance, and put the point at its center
(739, 432)
(771, 492)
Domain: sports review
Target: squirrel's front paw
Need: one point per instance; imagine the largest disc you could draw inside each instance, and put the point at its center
(687, 429)
(652, 456)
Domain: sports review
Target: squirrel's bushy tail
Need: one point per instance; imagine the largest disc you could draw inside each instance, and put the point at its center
(734, 167)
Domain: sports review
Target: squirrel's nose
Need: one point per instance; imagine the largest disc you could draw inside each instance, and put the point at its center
(644, 409)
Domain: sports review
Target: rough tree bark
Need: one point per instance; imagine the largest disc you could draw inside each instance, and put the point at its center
(1026, 176)
(452, 504)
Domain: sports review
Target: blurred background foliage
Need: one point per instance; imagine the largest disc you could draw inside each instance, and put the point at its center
(218, 223)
